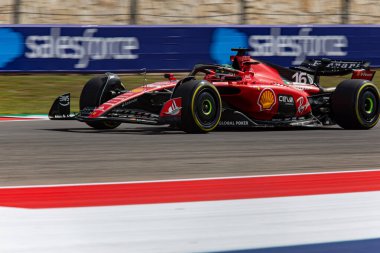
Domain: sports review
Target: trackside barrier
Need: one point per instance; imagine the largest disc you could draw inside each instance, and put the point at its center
(74, 48)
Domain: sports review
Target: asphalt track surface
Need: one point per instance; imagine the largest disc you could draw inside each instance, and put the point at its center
(66, 152)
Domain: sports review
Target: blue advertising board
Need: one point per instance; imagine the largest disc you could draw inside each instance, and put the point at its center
(69, 48)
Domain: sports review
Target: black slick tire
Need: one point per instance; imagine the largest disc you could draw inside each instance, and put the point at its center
(355, 104)
(201, 106)
(94, 93)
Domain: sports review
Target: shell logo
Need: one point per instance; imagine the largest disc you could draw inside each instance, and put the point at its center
(267, 99)
(137, 90)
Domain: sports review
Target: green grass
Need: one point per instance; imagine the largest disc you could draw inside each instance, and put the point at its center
(34, 94)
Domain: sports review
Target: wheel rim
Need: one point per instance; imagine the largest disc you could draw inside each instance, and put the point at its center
(207, 107)
(368, 105)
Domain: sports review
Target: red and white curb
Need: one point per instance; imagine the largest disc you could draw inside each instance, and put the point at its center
(199, 215)
(8, 118)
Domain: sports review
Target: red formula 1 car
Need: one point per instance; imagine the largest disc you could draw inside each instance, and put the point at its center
(248, 93)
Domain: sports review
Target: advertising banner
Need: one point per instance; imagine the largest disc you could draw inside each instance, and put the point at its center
(69, 48)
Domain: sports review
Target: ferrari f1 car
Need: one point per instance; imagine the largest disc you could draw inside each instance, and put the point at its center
(246, 94)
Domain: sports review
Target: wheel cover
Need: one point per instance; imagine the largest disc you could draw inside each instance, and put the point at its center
(206, 107)
(368, 105)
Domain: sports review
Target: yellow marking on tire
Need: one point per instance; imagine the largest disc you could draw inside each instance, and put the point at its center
(192, 108)
(357, 104)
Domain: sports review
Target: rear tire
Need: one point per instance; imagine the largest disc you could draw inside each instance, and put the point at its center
(355, 104)
(94, 93)
(201, 106)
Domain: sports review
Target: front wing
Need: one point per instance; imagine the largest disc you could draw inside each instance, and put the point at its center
(170, 113)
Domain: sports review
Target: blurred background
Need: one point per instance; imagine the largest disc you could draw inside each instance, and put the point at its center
(146, 12)
(60, 54)
(52, 47)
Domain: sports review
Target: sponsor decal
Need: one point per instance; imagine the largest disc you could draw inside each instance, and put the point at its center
(286, 99)
(85, 48)
(233, 123)
(340, 64)
(363, 74)
(172, 107)
(11, 46)
(130, 102)
(64, 100)
(286, 106)
(138, 89)
(366, 74)
(221, 83)
(302, 105)
(153, 85)
(267, 99)
(305, 87)
(299, 46)
(223, 40)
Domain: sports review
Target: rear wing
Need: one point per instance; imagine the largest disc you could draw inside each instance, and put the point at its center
(327, 67)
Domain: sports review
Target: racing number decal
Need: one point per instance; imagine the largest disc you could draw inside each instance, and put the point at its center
(302, 77)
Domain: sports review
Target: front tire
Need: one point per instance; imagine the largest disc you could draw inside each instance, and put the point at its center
(201, 106)
(97, 91)
(355, 104)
